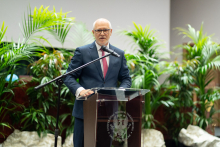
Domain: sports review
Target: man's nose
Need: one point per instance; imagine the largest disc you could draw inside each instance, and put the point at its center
(102, 33)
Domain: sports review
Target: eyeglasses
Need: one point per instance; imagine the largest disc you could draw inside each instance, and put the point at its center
(105, 31)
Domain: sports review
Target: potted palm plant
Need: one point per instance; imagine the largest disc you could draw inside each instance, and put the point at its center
(145, 68)
(47, 67)
(203, 54)
(181, 114)
(10, 56)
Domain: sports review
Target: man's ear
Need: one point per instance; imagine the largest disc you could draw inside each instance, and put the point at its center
(111, 32)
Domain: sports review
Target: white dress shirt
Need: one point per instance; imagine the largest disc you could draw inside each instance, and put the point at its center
(100, 55)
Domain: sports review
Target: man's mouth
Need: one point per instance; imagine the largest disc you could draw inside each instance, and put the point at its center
(102, 38)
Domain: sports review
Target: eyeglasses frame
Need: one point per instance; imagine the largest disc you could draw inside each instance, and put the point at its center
(102, 31)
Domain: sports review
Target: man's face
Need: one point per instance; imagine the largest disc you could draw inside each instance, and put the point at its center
(102, 32)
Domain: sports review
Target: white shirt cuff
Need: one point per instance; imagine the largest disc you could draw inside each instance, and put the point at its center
(78, 91)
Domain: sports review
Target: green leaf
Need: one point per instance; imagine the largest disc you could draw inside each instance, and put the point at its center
(34, 116)
(201, 122)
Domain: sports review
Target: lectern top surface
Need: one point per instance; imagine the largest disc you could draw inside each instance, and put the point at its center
(116, 94)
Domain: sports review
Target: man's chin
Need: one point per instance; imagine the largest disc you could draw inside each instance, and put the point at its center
(102, 43)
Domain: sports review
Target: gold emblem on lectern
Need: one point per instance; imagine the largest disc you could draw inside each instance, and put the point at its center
(120, 126)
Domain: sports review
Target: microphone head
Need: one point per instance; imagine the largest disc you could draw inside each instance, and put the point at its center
(103, 48)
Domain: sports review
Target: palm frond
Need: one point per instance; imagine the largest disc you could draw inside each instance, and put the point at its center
(145, 38)
(2, 31)
(198, 39)
(12, 53)
(80, 35)
(44, 20)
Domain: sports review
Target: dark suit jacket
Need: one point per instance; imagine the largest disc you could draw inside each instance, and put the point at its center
(92, 76)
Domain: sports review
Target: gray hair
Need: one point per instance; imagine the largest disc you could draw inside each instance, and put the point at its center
(102, 19)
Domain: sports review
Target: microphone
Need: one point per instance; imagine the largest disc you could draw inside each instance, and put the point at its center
(104, 48)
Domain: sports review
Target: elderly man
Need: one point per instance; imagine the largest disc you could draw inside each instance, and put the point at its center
(105, 73)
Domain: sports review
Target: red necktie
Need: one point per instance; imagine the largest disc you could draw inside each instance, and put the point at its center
(104, 63)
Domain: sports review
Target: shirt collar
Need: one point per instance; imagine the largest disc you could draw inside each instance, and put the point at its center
(99, 47)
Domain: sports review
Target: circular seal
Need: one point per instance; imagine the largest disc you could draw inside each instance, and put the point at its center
(120, 126)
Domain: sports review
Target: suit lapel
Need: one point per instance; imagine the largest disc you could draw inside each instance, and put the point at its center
(94, 54)
(112, 60)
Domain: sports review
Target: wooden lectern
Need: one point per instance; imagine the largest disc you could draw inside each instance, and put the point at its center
(113, 117)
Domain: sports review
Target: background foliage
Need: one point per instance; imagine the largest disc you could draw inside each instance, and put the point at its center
(145, 69)
(35, 116)
(203, 56)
